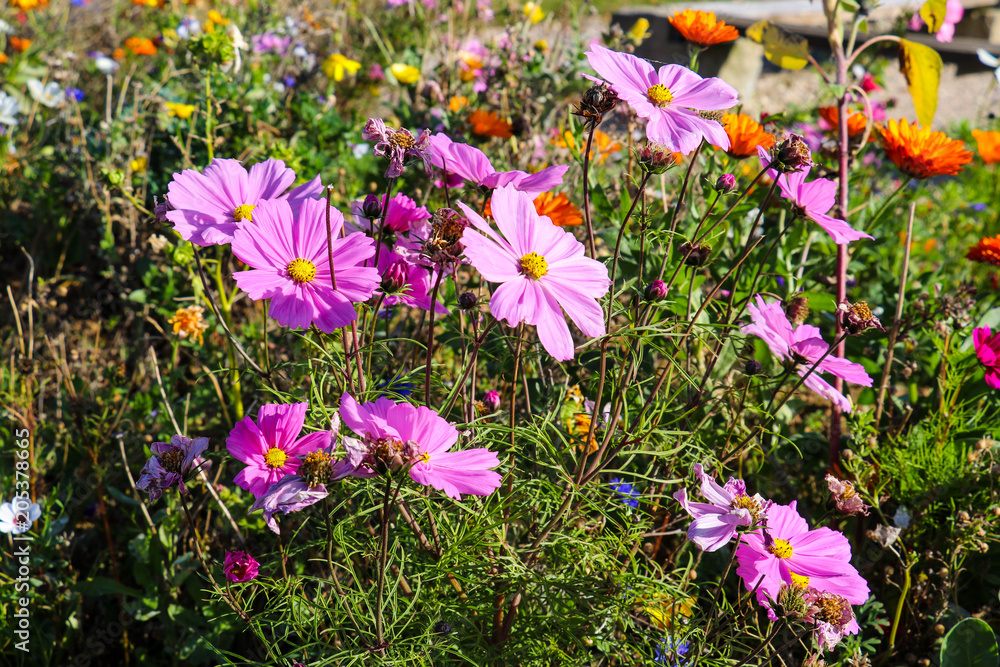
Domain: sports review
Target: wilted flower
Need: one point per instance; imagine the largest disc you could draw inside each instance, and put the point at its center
(857, 318)
(189, 322)
(832, 615)
(987, 346)
(396, 145)
(445, 241)
(240, 566)
(789, 156)
(17, 516)
(170, 463)
(656, 158)
(695, 255)
(728, 508)
(845, 496)
(290, 494)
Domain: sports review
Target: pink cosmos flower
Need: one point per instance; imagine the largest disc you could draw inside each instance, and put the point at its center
(987, 346)
(401, 436)
(271, 446)
(728, 508)
(413, 282)
(953, 13)
(396, 145)
(402, 215)
(290, 261)
(814, 199)
(542, 270)
(240, 567)
(467, 163)
(207, 208)
(788, 552)
(170, 463)
(670, 98)
(805, 346)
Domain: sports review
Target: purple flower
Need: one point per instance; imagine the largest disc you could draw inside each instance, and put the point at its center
(728, 508)
(396, 145)
(492, 400)
(170, 463)
(805, 346)
(240, 567)
(415, 281)
(270, 42)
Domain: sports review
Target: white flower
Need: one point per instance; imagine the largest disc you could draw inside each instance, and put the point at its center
(105, 64)
(17, 516)
(188, 28)
(902, 517)
(990, 60)
(5, 28)
(8, 109)
(50, 95)
(239, 44)
(359, 150)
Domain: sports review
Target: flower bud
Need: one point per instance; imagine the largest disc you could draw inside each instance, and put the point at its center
(790, 155)
(656, 158)
(371, 209)
(752, 367)
(467, 300)
(656, 291)
(695, 255)
(797, 309)
(726, 184)
(492, 400)
(442, 628)
(395, 277)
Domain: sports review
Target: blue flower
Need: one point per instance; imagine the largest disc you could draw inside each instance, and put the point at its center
(667, 653)
(627, 491)
(393, 387)
(75, 93)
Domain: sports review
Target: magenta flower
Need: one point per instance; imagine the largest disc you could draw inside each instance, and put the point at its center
(671, 98)
(805, 346)
(413, 282)
(403, 215)
(289, 257)
(728, 508)
(814, 199)
(396, 145)
(789, 553)
(207, 208)
(467, 163)
(240, 567)
(542, 270)
(170, 463)
(401, 436)
(987, 346)
(271, 446)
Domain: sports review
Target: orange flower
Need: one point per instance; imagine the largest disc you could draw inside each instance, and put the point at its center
(20, 45)
(140, 46)
(490, 124)
(702, 28)
(189, 323)
(602, 147)
(988, 144)
(856, 121)
(559, 209)
(986, 251)
(3, 58)
(745, 135)
(28, 5)
(458, 103)
(118, 53)
(922, 153)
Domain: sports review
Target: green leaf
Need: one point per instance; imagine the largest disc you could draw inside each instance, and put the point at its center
(932, 12)
(105, 586)
(921, 65)
(781, 47)
(971, 643)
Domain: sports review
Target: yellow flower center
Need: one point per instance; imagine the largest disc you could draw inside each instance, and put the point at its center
(659, 95)
(275, 458)
(781, 549)
(424, 458)
(798, 580)
(534, 265)
(243, 212)
(749, 504)
(301, 270)
(401, 139)
(862, 311)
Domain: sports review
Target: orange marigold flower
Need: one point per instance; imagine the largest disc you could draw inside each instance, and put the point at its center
(457, 103)
(490, 124)
(3, 58)
(141, 46)
(922, 153)
(745, 135)
(189, 322)
(559, 209)
(988, 144)
(28, 5)
(602, 147)
(118, 53)
(702, 28)
(986, 251)
(20, 45)
(856, 121)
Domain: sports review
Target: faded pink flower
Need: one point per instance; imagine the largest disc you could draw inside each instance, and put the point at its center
(396, 145)
(542, 270)
(170, 463)
(728, 508)
(805, 346)
(240, 567)
(290, 260)
(987, 346)
(846, 496)
(832, 615)
(671, 98)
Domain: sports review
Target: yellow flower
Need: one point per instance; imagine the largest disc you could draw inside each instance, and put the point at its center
(638, 32)
(189, 322)
(138, 165)
(216, 17)
(405, 74)
(28, 5)
(533, 11)
(337, 66)
(182, 111)
(542, 45)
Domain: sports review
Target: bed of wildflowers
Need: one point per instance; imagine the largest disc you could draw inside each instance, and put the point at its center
(430, 333)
